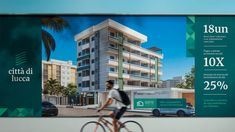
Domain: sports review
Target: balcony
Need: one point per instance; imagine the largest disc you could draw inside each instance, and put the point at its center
(83, 57)
(83, 67)
(137, 57)
(132, 42)
(141, 49)
(112, 62)
(115, 74)
(84, 46)
(130, 66)
(140, 77)
(115, 39)
(114, 48)
(140, 65)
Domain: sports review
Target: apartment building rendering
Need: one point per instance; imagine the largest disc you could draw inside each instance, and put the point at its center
(172, 83)
(63, 71)
(112, 51)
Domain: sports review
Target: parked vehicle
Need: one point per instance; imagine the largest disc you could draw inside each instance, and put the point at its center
(49, 109)
(180, 112)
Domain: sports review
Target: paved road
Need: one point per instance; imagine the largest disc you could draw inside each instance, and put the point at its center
(82, 112)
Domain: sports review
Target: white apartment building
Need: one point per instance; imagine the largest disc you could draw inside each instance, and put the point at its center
(62, 71)
(112, 51)
(171, 83)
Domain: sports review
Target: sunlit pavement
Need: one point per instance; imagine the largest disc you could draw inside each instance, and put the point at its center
(83, 112)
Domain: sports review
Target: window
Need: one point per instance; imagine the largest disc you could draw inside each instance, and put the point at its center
(112, 45)
(92, 38)
(57, 67)
(86, 62)
(79, 84)
(83, 52)
(87, 51)
(85, 73)
(83, 41)
(92, 50)
(93, 83)
(79, 64)
(86, 84)
(112, 57)
(79, 54)
(92, 61)
(92, 72)
(112, 69)
(112, 34)
(79, 74)
(87, 40)
(79, 43)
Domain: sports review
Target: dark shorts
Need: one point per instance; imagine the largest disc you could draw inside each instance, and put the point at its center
(119, 112)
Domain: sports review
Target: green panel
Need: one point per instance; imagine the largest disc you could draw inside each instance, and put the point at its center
(20, 61)
(190, 35)
(142, 103)
(145, 103)
(171, 103)
(21, 112)
(3, 112)
(218, 102)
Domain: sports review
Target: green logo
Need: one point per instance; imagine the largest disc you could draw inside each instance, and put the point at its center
(21, 58)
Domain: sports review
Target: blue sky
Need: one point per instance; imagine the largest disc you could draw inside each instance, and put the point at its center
(167, 33)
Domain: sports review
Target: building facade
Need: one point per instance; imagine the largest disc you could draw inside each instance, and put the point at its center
(63, 71)
(112, 51)
(171, 83)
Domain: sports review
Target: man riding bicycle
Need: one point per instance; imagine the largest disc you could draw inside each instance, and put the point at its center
(120, 108)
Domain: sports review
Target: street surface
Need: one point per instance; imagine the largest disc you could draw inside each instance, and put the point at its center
(83, 112)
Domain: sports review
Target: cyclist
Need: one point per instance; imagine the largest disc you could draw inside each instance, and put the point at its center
(120, 108)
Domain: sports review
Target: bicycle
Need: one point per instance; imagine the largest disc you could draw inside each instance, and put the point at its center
(102, 123)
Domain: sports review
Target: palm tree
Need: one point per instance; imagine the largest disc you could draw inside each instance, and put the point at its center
(52, 87)
(70, 90)
(55, 24)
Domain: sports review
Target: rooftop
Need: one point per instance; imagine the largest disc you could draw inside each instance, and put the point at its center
(59, 62)
(115, 25)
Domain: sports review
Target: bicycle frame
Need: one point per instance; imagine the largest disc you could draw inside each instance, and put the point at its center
(107, 124)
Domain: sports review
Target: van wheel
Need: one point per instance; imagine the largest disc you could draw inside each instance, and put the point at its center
(180, 113)
(156, 112)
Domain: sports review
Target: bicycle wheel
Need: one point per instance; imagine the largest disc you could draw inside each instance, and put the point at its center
(131, 126)
(92, 126)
